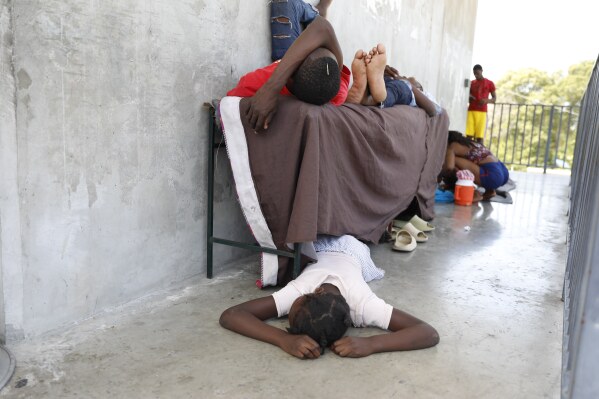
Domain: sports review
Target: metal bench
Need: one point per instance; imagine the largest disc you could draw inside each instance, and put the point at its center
(214, 130)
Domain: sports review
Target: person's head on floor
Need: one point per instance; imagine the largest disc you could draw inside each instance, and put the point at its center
(477, 70)
(317, 79)
(457, 137)
(323, 316)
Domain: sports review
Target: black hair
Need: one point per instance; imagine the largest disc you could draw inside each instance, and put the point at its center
(477, 67)
(456, 137)
(317, 80)
(323, 317)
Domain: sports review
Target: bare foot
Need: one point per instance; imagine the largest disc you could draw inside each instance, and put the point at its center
(375, 72)
(358, 69)
(488, 195)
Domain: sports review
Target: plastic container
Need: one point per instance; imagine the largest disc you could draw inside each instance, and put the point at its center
(464, 192)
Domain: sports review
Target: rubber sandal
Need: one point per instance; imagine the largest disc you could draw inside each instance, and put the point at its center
(404, 242)
(417, 234)
(420, 224)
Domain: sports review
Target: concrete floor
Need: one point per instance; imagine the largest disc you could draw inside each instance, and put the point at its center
(493, 293)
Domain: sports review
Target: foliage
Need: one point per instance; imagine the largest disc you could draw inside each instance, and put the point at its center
(534, 86)
(536, 117)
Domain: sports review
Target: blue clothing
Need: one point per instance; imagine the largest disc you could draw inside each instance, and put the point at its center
(493, 175)
(398, 92)
(349, 245)
(285, 33)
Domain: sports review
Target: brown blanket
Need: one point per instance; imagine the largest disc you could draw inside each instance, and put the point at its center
(342, 170)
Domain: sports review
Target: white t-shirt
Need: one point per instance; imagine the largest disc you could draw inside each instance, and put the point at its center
(344, 272)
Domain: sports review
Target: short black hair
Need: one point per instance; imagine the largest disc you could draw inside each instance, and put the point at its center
(323, 317)
(477, 67)
(317, 80)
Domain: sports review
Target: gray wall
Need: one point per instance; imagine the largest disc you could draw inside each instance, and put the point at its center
(103, 134)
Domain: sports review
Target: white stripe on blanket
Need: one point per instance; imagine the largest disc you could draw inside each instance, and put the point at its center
(246, 191)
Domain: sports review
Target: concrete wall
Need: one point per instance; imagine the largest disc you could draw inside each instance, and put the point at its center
(103, 134)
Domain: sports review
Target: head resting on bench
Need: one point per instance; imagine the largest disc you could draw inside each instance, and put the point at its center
(317, 79)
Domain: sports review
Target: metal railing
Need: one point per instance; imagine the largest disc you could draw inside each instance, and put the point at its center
(580, 359)
(532, 135)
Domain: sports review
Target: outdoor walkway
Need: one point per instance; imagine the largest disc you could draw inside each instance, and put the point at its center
(492, 292)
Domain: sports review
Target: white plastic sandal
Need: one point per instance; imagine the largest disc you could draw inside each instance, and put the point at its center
(420, 224)
(417, 234)
(404, 242)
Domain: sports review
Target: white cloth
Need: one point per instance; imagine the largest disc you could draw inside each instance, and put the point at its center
(438, 108)
(344, 272)
(349, 245)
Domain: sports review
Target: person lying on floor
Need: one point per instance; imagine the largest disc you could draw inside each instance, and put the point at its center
(465, 154)
(323, 302)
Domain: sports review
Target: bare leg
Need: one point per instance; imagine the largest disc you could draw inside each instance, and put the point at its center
(375, 72)
(358, 68)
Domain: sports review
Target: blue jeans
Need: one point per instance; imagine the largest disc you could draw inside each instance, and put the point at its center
(398, 92)
(493, 175)
(286, 19)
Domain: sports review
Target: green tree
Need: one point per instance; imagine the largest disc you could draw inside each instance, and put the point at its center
(534, 86)
(539, 115)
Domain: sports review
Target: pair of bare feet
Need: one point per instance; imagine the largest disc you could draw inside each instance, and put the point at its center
(368, 70)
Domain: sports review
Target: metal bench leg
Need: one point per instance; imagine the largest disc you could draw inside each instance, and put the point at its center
(297, 256)
(210, 214)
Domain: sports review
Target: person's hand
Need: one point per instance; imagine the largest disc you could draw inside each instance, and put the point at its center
(262, 108)
(301, 346)
(483, 101)
(391, 72)
(352, 347)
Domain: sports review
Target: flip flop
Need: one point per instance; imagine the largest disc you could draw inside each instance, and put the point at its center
(420, 224)
(404, 242)
(417, 234)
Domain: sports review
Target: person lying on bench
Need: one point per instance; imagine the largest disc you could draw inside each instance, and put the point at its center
(322, 303)
(375, 85)
(312, 69)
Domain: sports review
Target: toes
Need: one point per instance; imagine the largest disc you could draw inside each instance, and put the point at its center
(381, 48)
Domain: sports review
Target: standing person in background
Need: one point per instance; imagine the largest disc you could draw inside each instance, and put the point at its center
(480, 88)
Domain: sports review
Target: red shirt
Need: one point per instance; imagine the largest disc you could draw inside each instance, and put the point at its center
(480, 89)
(250, 83)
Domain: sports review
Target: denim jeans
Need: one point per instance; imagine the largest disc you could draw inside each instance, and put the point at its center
(398, 92)
(287, 18)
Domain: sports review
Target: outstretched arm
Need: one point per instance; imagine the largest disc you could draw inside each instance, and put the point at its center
(263, 105)
(424, 102)
(406, 333)
(248, 319)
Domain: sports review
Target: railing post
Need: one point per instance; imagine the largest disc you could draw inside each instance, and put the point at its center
(547, 146)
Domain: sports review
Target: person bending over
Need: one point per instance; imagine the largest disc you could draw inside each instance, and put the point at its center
(464, 153)
(322, 303)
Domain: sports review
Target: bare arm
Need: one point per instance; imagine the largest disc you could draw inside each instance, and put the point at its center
(263, 105)
(454, 150)
(406, 333)
(493, 97)
(424, 102)
(323, 6)
(248, 319)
